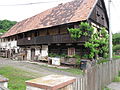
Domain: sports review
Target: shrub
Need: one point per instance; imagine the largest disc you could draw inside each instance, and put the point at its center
(116, 47)
(116, 79)
(102, 61)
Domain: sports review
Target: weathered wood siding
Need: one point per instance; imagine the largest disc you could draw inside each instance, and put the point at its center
(63, 30)
(53, 31)
(50, 39)
(42, 32)
(99, 15)
(63, 49)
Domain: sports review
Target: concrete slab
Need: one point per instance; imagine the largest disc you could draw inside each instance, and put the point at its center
(51, 81)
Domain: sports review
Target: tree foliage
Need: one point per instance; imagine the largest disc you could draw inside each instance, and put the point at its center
(116, 47)
(116, 38)
(5, 25)
(98, 44)
(84, 30)
(116, 42)
(98, 41)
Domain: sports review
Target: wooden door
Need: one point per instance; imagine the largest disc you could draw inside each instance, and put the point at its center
(32, 53)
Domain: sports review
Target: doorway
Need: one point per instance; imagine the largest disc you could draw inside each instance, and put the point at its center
(32, 53)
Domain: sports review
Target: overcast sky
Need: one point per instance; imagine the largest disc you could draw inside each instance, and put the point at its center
(9, 10)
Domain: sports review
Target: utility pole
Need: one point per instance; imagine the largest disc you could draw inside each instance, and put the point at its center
(110, 32)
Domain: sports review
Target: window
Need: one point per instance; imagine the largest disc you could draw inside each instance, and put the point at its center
(102, 17)
(71, 51)
(98, 13)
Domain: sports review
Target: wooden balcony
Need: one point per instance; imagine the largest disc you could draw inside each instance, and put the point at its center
(54, 39)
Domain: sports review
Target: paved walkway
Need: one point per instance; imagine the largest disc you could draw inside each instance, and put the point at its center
(114, 86)
(35, 68)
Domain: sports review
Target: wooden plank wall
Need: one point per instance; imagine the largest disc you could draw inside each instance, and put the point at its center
(98, 76)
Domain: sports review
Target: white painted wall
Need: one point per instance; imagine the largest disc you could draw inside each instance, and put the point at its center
(29, 54)
(44, 51)
(9, 45)
(37, 51)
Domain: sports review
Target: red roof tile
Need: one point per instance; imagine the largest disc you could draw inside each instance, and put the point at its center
(74, 11)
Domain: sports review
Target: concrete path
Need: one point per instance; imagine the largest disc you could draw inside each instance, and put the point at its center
(114, 86)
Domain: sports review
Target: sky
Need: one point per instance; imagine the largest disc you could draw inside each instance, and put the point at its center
(18, 10)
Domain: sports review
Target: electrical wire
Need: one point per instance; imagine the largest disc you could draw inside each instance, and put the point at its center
(29, 3)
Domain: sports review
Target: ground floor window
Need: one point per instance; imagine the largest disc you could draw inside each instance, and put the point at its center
(71, 51)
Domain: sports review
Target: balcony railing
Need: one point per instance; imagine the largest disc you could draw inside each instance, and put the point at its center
(53, 39)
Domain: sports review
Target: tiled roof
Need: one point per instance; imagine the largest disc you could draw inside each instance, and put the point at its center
(74, 11)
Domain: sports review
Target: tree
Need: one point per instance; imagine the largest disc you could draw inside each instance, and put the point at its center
(116, 38)
(116, 42)
(97, 43)
(5, 25)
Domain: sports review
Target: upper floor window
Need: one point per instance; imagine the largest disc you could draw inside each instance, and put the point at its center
(102, 17)
(98, 13)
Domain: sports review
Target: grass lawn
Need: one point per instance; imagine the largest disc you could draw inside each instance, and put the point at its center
(16, 76)
(116, 56)
(106, 88)
(74, 71)
(117, 78)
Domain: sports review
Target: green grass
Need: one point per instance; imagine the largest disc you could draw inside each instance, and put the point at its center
(116, 79)
(17, 77)
(72, 70)
(106, 88)
(116, 57)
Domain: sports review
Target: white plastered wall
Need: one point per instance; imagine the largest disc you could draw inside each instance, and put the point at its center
(44, 51)
(37, 51)
(28, 54)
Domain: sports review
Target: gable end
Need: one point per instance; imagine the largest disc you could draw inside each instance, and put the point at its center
(99, 15)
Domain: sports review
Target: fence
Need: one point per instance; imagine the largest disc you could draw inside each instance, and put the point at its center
(98, 76)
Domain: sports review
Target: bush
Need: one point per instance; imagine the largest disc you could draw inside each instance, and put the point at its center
(116, 79)
(116, 47)
(102, 61)
(116, 57)
(106, 88)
